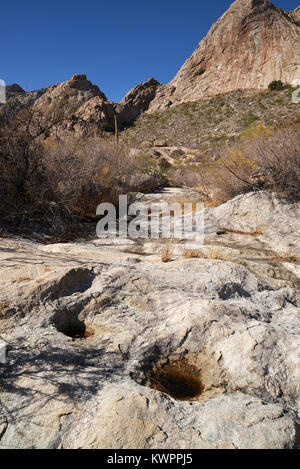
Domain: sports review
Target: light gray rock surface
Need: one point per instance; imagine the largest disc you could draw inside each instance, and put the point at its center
(194, 353)
(3, 347)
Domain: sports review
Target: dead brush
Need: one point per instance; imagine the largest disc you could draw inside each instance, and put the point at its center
(287, 258)
(215, 252)
(274, 155)
(166, 254)
(4, 233)
(258, 231)
(190, 254)
(283, 255)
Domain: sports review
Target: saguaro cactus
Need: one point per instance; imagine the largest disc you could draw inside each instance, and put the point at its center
(116, 129)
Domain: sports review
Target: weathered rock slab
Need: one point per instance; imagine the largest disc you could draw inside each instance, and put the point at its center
(114, 349)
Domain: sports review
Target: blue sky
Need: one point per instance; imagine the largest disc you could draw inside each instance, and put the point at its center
(117, 44)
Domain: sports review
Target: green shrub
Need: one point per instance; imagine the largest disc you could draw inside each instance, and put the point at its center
(249, 119)
(106, 127)
(158, 174)
(276, 85)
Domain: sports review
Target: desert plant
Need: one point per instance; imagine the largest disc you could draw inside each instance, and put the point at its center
(214, 252)
(255, 131)
(190, 254)
(106, 127)
(116, 129)
(21, 133)
(166, 254)
(158, 174)
(88, 172)
(44, 177)
(263, 161)
(248, 119)
(278, 157)
(276, 85)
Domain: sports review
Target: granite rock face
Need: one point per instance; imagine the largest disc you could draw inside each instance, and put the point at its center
(251, 45)
(108, 347)
(137, 101)
(83, 105)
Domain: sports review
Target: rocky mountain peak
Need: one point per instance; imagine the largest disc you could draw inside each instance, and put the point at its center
(77, 91)
(295, 14)
(252, 44)
(79, 76)
(249, 46)
(251, 4)
(14, 89)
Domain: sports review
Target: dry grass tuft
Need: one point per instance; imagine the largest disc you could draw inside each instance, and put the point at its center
(214, 252)
(166, 254)
(190, 254)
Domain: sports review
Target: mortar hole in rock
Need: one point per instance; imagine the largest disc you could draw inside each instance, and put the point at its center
(71, 326)
(179, 379)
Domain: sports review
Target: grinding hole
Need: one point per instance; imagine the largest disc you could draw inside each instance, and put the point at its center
(180, 379)
(69, 324)
(187, 376)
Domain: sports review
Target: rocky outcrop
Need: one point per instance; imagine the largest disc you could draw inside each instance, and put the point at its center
(295, 14)
(252, 44)
(18, 99)
(84, 105)
(14, 89)
(110, 348)
(137, 101)
(72, 94)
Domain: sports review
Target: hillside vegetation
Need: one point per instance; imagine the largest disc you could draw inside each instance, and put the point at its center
(213, 145)
(211, 123)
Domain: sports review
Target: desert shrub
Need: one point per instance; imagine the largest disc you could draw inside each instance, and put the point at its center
(80, 174)
(248, 119)
(166, 254)
(276, 85)
(278, 159)
(226, 177)
(45, 177)
(21, 133)
(106, 127)
(255, 131)
(184, 176)
(214, 252)
(158, 174)
(262, 161)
